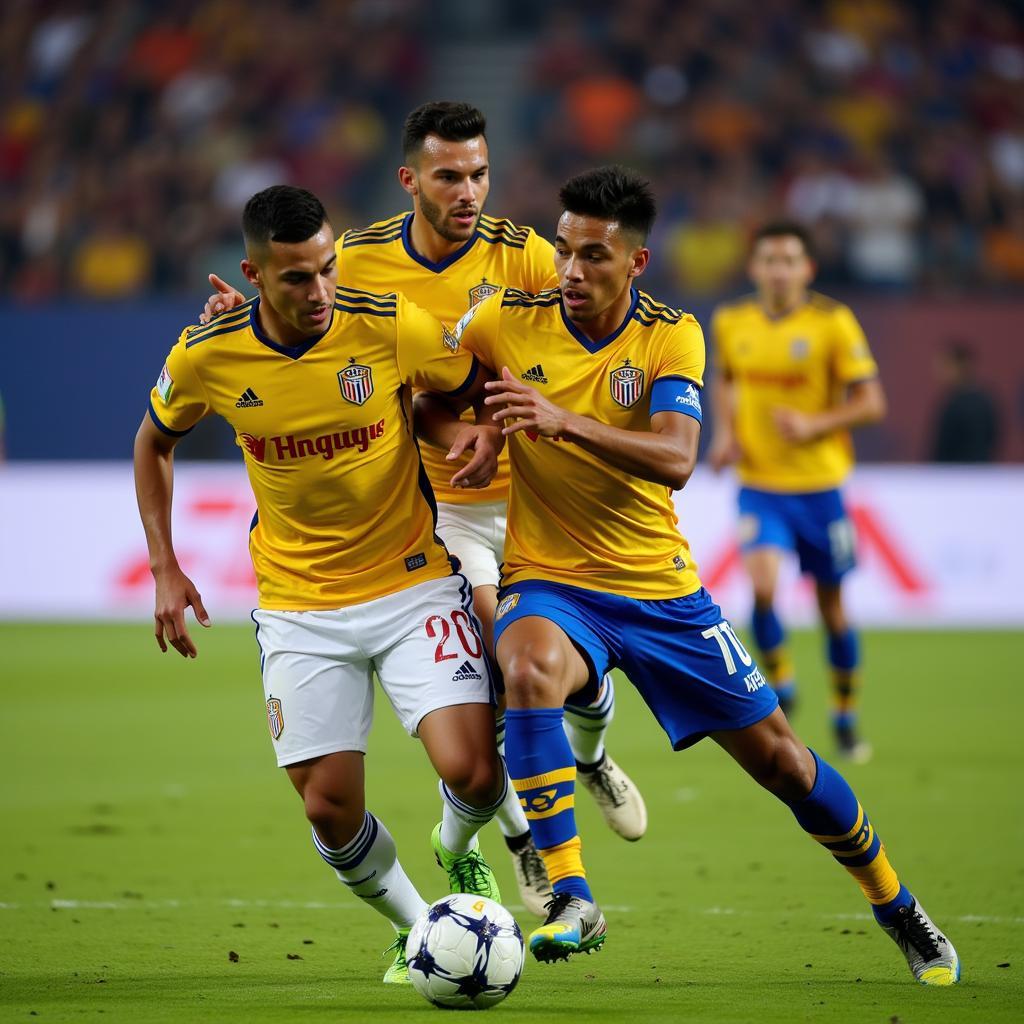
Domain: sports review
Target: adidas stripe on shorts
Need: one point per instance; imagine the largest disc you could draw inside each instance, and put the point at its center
(422, 642)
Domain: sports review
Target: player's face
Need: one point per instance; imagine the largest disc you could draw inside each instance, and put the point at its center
(449, 182)
(781, 269)
(596, 262)
(296, 281)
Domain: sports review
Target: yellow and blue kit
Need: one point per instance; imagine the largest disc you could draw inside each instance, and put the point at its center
(381, 258)
(344, 511)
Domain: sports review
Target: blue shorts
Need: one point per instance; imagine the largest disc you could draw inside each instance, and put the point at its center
(814, 525)
(681, 654)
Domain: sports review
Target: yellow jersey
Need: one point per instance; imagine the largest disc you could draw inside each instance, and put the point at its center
(381, 258)
(803, 360)
(572, 517)
(344, 512)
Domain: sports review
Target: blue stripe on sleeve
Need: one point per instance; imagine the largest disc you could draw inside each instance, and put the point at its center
(163, 427)
(676, 394)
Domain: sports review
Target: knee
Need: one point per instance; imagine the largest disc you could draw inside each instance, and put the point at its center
(477, 780)
(335, 818)
(786, 769)
(533, 678)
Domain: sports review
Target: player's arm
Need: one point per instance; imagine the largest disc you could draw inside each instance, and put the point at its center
(724, 449)
(864, 403)
(437, 419)
(666, 454)
(154, 485)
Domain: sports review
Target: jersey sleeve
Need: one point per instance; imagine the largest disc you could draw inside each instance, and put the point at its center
(679, 375)
(851, 358)
(429, 354)
(477, 331)
(178, 400)
(540, 264)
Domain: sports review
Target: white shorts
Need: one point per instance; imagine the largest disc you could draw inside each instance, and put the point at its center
(423, 643)
(475, 535)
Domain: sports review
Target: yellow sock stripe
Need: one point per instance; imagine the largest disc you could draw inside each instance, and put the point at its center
(849, 835)
(877, 880)
(844, 689)
(564, 860)
(862, 847)
(778, 665)
(563, 804)
(547, 779)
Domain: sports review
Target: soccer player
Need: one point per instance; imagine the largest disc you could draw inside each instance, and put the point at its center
(597, 575)
(316, 382)
(794, 376)
(446, 256)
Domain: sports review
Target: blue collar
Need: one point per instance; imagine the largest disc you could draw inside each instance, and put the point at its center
(422, 260)
(596, 346)
(291, 351)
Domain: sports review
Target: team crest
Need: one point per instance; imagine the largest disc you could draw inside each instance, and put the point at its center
(484, 290)
(627, 385)
(275, 717)
(799, 348)
(356, 382)
(505, 605)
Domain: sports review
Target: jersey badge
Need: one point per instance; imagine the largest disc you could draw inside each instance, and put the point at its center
(356, 382)
(627, 384)
(484, 290)
(164, 385)
(505, 605)
(275, 717)
(799, 348)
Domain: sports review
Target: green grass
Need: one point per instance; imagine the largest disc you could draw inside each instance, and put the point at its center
(146, 833)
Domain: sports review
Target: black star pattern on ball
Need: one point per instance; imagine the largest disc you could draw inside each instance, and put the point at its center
(443, 908)
(475, 984)
(423, 961)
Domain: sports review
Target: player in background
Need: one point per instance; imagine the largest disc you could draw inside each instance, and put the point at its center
(597, 575)
(316, 381)
(446, 255)
(794, 376)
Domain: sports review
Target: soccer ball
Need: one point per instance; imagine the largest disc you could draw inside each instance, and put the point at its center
(465, 952)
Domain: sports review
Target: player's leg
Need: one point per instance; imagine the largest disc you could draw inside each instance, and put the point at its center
(430, 659)
(826, 548)
(319, 697)
(543, 667)
(475, 534)
(827, 809)
(764, 537)
(616, 795)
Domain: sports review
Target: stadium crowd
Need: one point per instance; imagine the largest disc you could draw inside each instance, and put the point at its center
(131, 136)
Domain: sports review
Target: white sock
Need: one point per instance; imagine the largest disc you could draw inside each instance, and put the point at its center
(460, 822)
(511, 817)
(369, 866)
(586, 725)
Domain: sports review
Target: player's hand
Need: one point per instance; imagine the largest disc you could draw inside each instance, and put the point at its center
(521, 407)
(795, 427)
(174, 593)
(223, 299)
(485, 443)
(723, 452)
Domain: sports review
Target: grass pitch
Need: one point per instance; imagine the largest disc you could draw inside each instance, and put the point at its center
(155, 865)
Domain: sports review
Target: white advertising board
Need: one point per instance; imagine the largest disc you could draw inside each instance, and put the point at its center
(937, 546)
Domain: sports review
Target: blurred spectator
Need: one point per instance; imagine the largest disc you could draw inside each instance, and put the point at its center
(966, 427)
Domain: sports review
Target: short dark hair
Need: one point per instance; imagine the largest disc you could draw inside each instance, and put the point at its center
(453, 122)
(282, 213)
(785, 229)
(612, 193)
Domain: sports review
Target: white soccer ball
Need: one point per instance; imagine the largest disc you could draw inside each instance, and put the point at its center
(465, 952)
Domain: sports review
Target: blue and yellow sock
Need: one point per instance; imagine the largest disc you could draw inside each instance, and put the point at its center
(831, 814)
(770, 638)
(844, 660)
(543, 770)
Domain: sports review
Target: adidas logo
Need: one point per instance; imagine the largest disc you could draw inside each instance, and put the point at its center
(248, 400)
(535, 374)
(465, 673)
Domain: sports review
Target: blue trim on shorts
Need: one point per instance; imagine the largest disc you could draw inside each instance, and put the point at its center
(683, 676)
(813, 524)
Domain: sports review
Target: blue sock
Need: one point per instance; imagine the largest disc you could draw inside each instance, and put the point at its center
(543, 770)
(768, 631)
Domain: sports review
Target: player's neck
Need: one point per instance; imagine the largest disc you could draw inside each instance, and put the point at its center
(776, 308)
(608, 321)
(428, 243)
